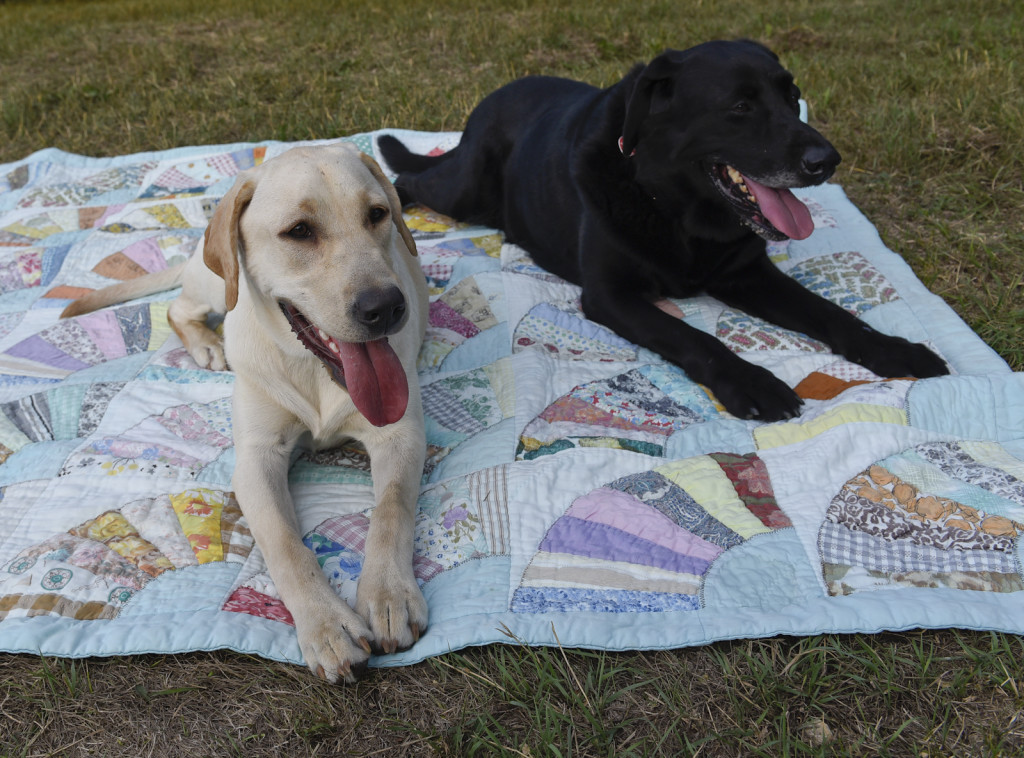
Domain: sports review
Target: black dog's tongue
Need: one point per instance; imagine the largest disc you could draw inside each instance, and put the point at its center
(782, 208)
(375, 379)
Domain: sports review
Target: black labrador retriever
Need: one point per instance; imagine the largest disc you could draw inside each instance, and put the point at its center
(665, 184)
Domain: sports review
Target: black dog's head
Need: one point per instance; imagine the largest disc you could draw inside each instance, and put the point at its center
(723, 118)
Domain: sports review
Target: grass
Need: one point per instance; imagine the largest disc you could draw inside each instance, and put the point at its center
(924, 101)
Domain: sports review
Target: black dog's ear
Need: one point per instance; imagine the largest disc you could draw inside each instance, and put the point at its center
(654, 76)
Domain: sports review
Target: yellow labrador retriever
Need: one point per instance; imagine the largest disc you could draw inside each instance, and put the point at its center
(326, 306)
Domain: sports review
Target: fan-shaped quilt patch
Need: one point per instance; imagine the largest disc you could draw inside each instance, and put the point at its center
(145, 256)
(154, 217)
(565, 333)
(183, 439)
(463, 519)
(422, 220)
(93, 569)
(195, 177)
(646, 541)
(83, 190)
(741, 332)
(463, 405)
(937, 515)
(847, 279)
(65, 412)
(438, 260)
(85, 341)
(460, 314)
(637, 411)
(34, 231)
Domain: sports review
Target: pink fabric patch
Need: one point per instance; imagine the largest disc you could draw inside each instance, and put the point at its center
(248, 600)
(105, 332)
(446, 317)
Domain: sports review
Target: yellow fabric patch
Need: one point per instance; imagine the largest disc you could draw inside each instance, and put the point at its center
(160, 329)
(199, 512)
(117, 533)
(704, 481)
(499, 374)
(169, 215)
(777, 435)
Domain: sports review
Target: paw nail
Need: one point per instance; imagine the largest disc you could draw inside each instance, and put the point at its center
(365, 645)
(415, 628)
(321, 673)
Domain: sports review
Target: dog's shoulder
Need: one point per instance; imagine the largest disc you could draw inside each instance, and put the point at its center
(604, 176)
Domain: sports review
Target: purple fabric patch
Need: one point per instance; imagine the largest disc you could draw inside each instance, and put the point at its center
(590, 540)
(446, 317)
(39, 350)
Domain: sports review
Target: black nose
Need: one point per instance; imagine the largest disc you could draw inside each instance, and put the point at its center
(819, 162)
(382, 310)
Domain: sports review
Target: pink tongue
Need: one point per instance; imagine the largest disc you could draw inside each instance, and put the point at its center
(376, 380)
(783, 210)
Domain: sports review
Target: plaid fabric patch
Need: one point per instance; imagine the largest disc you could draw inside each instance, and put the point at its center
(444, 406)
(840, 545)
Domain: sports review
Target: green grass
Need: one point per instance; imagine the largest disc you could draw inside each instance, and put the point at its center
(923, 98)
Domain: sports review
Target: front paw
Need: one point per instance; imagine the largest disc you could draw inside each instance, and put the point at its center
(894, 357)
(391, 602)
(333, 639)
(753, 392)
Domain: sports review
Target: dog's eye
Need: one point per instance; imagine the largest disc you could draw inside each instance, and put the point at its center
(742, 107)
(377, 214)
(301, 231)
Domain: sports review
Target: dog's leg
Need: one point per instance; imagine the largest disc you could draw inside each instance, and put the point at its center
(764, 291)
(388, 596)
(188, 319)
(464, 183)
(332, 636)
(746, 390)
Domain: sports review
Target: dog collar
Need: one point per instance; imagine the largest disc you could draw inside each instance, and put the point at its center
(621, 150)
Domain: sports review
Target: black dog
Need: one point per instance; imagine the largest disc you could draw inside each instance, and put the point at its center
(664, 184)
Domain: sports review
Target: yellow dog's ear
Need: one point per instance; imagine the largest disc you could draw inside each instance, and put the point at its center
(220, 249)
(393, 201)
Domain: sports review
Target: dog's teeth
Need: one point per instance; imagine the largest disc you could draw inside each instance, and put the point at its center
(333, 346)
(321, 334)
(734, 175)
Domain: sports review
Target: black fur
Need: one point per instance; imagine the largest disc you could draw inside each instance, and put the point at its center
(540, 160)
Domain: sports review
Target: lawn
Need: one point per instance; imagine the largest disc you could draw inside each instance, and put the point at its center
(923, 98)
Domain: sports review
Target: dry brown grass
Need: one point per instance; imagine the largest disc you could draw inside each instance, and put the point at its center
(921, 693)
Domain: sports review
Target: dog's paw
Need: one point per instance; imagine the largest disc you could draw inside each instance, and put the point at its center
(755, 393)
(893, 357)
(334, 641)
(394, 607)
(209, 356)
(206, 348)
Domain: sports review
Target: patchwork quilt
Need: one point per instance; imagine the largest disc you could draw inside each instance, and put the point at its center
(578, 490)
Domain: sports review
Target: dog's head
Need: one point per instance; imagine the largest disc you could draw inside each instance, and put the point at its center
(724, 119)
(316, 238)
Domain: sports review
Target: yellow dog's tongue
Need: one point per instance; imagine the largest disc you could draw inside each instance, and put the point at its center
(782, 208)
(375, 380)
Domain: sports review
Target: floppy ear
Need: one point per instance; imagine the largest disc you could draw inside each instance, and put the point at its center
(638, 108)
(393, 201)
(220, 248)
